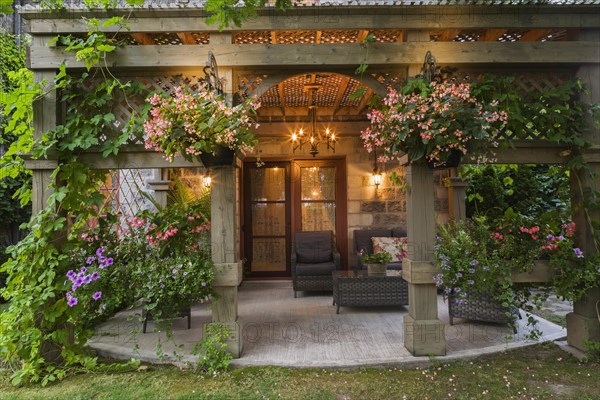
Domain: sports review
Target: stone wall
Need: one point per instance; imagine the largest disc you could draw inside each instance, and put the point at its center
(368, 206)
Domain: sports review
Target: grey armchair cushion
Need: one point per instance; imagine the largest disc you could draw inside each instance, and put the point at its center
(362, 238)
(314, 247)
(325, 268)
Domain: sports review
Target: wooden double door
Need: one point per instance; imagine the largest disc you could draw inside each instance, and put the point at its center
(283, 197)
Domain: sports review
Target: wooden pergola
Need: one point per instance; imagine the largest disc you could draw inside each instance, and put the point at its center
(272, 56)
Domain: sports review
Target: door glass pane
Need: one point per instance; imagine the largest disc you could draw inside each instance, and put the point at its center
(318, 216)
(268, 219)
(268, 184)
(268, 254)
(317, 183)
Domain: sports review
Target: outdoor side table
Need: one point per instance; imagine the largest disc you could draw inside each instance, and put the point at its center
(359, 289)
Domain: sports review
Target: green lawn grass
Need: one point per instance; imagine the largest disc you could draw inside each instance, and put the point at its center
(540, 372)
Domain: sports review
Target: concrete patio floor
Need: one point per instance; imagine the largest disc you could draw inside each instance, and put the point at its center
(278, 329)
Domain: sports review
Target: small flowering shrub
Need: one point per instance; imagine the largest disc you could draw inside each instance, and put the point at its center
(169, 284)
(432, 120)
(475, 258)
(194, 123)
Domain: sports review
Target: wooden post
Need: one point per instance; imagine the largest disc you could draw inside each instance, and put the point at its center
(44, 119)
(160, 187)
(225, 251)
(583, 323)
(423, 330)
(456, 198)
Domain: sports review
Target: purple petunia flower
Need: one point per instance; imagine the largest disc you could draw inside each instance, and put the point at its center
(174, 271)
(87, 279)
(550, 237)
(471, 282)
(71, 275)
(474, 263)
(90, 260)
(97, 295)
(100, 251)
(83, 270)
(95, 276)
(578, 252)
(456, 290)
(72, 301)
(109, 261)
(185, 273)
(203, 283)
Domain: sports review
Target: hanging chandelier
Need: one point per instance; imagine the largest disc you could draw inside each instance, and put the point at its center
(313, 138)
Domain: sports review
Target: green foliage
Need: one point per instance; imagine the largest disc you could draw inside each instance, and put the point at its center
(212, 349)
(592, 351)
(376, 258)
(529, 190)
(227, 12)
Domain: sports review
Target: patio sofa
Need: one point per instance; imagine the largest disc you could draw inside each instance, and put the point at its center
(363, 244)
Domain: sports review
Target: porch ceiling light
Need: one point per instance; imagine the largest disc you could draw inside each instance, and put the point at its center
(314, 138)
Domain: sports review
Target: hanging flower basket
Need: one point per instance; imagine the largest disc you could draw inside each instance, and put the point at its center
(198, 123)
(435, 121)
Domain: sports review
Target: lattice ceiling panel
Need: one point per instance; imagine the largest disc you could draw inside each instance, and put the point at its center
(252, 37)
(296, 37)
(201, 37)
(326, 95)
(511, 36)
(386, 36)
(295, 96)
(346, 100)
(126, 39)
(271, 98)
(389, 79)
(468, 36)
(167, 39)
(339, 36)
(556, 35)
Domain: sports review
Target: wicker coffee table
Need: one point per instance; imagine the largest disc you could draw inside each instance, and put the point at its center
(359, 289)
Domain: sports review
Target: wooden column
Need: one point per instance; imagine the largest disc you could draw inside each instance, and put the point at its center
(583, 323)
(160, 186)
(423, 330)
(225, 251)
(44, 119)
(456, 198)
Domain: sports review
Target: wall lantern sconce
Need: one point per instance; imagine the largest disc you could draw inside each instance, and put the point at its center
(206, 181)
(377, 177)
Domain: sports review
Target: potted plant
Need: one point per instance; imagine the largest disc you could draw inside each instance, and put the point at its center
(199, 123)
(436, 121)
(376, 262)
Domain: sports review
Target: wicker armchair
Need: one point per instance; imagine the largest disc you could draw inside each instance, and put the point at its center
(314, 258)
(481, 308)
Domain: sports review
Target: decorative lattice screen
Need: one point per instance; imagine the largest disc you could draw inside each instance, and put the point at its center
(123, 188)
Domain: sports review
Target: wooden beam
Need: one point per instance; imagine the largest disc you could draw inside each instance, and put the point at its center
(340, 93)
(318, 35)
(143, 38)
(186, 38)
(535, 35)
(230, 55)
(306, 18)
(274, 37)
(281, 91)
(364, 102)
(491, 35)
(134, 157)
